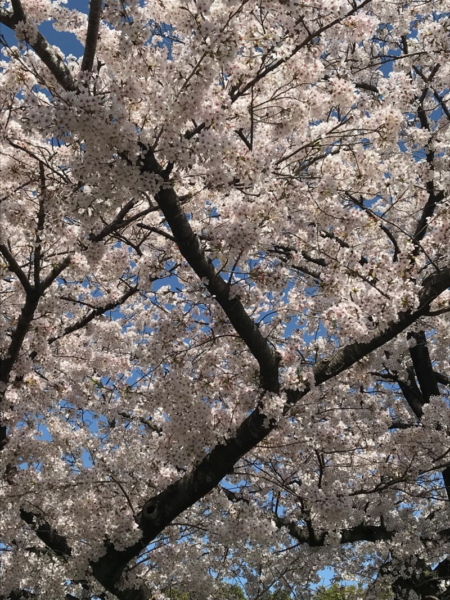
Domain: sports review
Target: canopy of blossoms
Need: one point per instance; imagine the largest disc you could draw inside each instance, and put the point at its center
(224, 274)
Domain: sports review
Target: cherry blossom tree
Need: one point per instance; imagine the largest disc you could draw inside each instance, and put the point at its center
(224, 298)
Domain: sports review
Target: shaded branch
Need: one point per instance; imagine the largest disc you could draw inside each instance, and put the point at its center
(193, 132)
(40, 225)
(307, 271)
(119, 222)
(157, 230)
(412, 393)
(422, 369)
(13, 266)
(59, 546)
(90, 47)
(423, 366)
(421, 578)
(360, 533)
(18, 337)
(434, 197)
(18, 595)
(46, 534)
(147, 422)
(347, 356)
(380, 224)
(159, 511)
(43, 49)
(441, 378)
(367, 86)
(55, 273)
(189, 246)
(93, 314)
(233, 496)
(240, 133)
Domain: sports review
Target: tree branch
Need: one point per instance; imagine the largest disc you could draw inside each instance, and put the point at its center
(359, 533)
(423, 366)
(236, 91)
(368, 87)
(189, 246)
(157, 230)
(46, 534)
(40, 226)
(347, 356)
(43, 49)
(21, 330)
(119, 222)
(13, 265)
(90, 47)
(55, 273)
(158, 512)
(93, 314)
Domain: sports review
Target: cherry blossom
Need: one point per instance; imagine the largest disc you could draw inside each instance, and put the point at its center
(224, 298)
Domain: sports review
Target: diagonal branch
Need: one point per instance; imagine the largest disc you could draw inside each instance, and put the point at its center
(189, 246)
(59, 545)
(40, 226)
(422, 369)
(236, 91)
(46, 534)
(14, 266)
(347, 356)
(157, 230)
(95, 313)
(412, 393)
(381, 225)
(49, 56)
(119, 222)
(434, 196)
(158, 512)
(441, 378)
(19, 595)
(26, 316)
(55, 273)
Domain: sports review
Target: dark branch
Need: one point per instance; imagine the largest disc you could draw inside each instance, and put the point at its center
(347, 356)
(189, 246)
(161, 510)
(55, 273)
(46, 534)
(441, 378)
(19, 595)
(359, 533)
(40, 225)
(90, 47)
(241, 134)
(119, 222)
(157, 230)
(93, 314)
(43, 49)
(368, 87)
(411, 392)
(423, 366)
(13, 266)
(21, 330)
